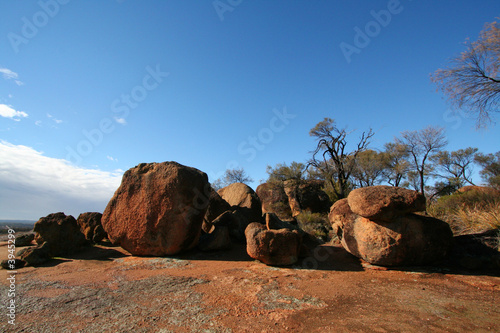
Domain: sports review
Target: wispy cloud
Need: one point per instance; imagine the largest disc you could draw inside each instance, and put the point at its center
(57, 121)
(121, 121)
(33, 185)
(10, 75)
(7, 111)
(111, 158)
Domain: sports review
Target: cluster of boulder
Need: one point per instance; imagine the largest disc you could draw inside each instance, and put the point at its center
(378, 225)
(163, 209)
(58, 235)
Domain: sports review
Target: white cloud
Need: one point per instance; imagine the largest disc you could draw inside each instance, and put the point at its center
(8, 112)
(111, 158)
(33, 185)
(57, 121)
(10, 75)
(121, 121)
(38, 123)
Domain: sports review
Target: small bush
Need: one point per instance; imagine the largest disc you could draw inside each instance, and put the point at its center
(315, 224)
(281, 209)
(468, 212)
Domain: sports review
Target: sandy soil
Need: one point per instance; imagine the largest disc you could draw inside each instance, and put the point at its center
(105, 289)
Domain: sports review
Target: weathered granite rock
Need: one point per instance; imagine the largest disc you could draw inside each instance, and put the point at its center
(383, 203)
(273, 247)
(158, 209)
(61, 233)
(386, 234)
(241, 197)
(91, 226)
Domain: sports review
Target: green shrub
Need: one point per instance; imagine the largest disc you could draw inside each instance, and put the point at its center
(315, 224)
(281, 209)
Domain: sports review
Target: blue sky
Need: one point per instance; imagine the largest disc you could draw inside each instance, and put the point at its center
(89, 89)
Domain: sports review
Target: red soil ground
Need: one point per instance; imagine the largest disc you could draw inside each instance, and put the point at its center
(105, 289)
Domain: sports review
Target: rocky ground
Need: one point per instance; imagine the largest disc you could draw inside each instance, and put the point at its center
(105, 289)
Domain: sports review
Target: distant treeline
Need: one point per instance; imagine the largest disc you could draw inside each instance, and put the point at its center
(17, 225)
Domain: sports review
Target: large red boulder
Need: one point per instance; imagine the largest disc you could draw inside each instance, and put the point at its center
(158, 209)
(407, 240)
(383, 203)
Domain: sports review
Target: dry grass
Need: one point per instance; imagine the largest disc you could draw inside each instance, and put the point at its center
(467, 213)
(475, 219)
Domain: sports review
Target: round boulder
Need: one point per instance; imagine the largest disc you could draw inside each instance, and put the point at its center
(158, 209)
(242, 198)
(383, 203)
(273, 247)
(407, 240)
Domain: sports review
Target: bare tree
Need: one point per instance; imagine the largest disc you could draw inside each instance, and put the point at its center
(232, 176)
(472, 81)
(420, 145)
(331, 156)
(456, 165)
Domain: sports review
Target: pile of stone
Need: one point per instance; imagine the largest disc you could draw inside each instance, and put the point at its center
(378, 225)
(57, 235)
(167, 208)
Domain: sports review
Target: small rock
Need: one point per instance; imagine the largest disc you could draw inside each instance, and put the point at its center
(25, 240)
(218, 239)
(34, 256)
(91, 227)
(18, 263)
(273, 247)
